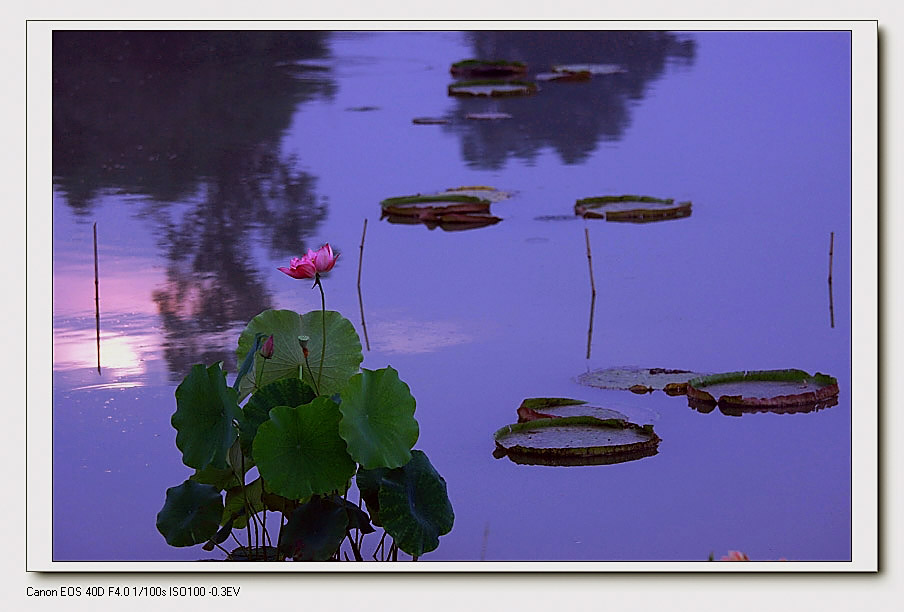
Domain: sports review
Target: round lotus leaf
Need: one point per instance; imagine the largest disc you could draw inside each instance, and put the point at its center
(378, 421)
(234, 508)
(636, 379)
(487, 68)
(343, 350)
(191, 514)
(577, 440)
(632, 208)
(414, 505)
(285, 392)
(299, 451)
(205, 410)
(763, 389)
(314, 531)
(534, 408)
(483, 192)
(492, 88)
(341, 360)
(368, 482)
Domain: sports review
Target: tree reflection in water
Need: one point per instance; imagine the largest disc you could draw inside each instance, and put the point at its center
(571, 118)
(191, 123)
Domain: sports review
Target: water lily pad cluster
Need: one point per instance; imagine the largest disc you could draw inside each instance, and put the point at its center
(453, 209)
(735, 393)
(307, 447)
(568, 432)
(631, 208)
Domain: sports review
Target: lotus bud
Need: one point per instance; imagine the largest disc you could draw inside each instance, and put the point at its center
(303, 341)
(267, 348)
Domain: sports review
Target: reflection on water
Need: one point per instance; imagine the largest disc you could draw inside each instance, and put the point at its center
(209, 159)
(571, 118)
(150, 113)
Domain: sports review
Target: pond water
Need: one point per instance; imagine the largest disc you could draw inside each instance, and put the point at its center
(204, 173)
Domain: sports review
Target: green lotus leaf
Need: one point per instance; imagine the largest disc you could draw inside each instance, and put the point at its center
(220, 536)
(368, 482)
(341, 360)
(285, 392)
(221, 478)
(235, 509)
(378, 419)
(343, 350)
(414, 506)
(204, 416)
(191, 514)
(299, 451)
(314, 531)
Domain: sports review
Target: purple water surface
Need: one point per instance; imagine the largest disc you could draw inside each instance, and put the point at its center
(204, 176)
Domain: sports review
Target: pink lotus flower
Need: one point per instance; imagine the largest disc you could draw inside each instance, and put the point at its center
(300, 267)
(323, 258)
(735, 555)
(267, 348)
(312, 263)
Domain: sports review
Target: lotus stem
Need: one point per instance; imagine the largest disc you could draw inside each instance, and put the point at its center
(355, 550)
(831, 301)
(360, 298)
(323, 341)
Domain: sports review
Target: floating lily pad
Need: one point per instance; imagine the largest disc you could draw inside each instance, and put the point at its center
(576, 440)
(483, 192)
(471, 68)
(759, 390)
(430, 121)
(534, 408)
(631, 208)
(591, 68)
(493, 89)
(488, 116)
(639, 380)
(579, 75)
(450, 210)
